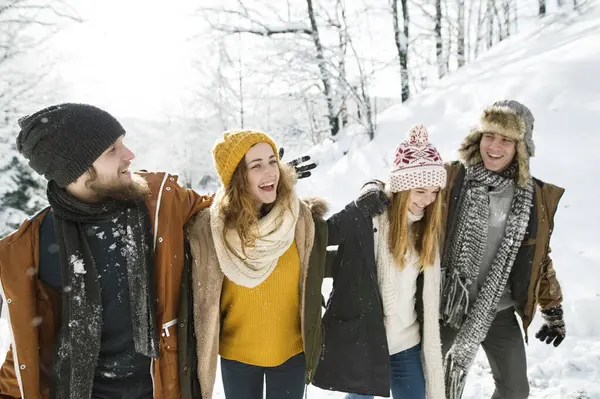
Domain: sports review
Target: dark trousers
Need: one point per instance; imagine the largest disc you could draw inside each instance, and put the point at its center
(407, 380)
(132, 388)
(244, 381)
(505, 350)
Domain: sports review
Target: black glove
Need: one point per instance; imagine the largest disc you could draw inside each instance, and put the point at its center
(300, 166)
(372, 199)
(554, 326)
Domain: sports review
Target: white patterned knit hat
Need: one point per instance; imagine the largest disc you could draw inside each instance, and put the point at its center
(417, 163)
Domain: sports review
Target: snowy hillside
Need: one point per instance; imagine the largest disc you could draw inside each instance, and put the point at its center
(553, 68)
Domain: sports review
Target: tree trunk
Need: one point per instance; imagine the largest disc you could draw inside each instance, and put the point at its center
(449, 36)
(480, 30)
(241, 82)
(498, 20)
(516, 17)
(542, 8)
(404, 61)
(460, 34)
(343, 48)
(469, 23)
(332, 116)
(401, 39)
(506, 18)
(490, 23)
(439, 44)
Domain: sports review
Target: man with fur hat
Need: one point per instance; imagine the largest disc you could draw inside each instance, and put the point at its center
(496, 255)
(92, 283)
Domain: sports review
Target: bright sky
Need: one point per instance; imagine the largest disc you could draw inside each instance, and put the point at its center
(130, 56)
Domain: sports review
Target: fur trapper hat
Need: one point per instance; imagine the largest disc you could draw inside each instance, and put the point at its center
(504, 119)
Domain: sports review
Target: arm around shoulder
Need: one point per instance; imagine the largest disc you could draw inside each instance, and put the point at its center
(372, 201)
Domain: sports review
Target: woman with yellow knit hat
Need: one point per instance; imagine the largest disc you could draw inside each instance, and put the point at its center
(259, 259)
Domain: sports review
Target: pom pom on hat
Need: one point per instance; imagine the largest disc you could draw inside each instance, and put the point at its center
(418, 136)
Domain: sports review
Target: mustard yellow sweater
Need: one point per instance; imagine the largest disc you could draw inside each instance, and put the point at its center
(261, 325)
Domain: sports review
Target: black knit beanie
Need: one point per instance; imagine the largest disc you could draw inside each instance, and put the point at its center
(62, 141)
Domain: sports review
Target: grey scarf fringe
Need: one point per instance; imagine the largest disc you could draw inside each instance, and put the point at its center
(455, 379)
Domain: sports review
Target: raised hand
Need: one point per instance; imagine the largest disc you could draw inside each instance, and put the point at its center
(300, 165)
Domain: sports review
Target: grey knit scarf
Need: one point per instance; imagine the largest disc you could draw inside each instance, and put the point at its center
(461, 262)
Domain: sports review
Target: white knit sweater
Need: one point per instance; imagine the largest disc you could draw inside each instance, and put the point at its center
(398, 288)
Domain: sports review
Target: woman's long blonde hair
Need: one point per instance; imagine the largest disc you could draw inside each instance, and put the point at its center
(238, 207)
(424, 234)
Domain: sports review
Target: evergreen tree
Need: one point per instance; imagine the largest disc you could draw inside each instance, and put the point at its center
(22, 192)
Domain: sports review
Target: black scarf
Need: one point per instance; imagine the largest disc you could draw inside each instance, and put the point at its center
(81, 318)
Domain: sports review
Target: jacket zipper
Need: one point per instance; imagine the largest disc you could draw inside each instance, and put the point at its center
(166, 326)
(158, 201)
(16, 364)
(310, 371)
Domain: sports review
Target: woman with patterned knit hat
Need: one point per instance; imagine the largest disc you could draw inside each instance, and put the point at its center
(382, 319)
(258, 265)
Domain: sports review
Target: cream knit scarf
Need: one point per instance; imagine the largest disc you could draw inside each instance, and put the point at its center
(276, 232)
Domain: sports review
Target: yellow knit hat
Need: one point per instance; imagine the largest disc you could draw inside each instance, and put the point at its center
(233, 146)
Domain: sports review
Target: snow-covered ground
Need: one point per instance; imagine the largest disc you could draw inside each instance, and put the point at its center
(552, 66)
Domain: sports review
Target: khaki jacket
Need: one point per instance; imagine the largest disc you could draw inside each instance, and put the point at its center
(207, 281)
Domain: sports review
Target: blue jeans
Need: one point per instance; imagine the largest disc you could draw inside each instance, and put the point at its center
(406, 376)
(245, 381)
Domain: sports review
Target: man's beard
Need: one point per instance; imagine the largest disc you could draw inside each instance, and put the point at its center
(135, 190)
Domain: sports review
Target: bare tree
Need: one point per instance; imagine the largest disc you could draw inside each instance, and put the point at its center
(17, 20)
(215, 93)
(401, 37)
(490, 23)
(541, 8)
(240, 78)
(507, 18)
(460, 33)
(256, 26)
(450, 33)
(332, 115)
(353, 91)
(469, 24)
(439, 43)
